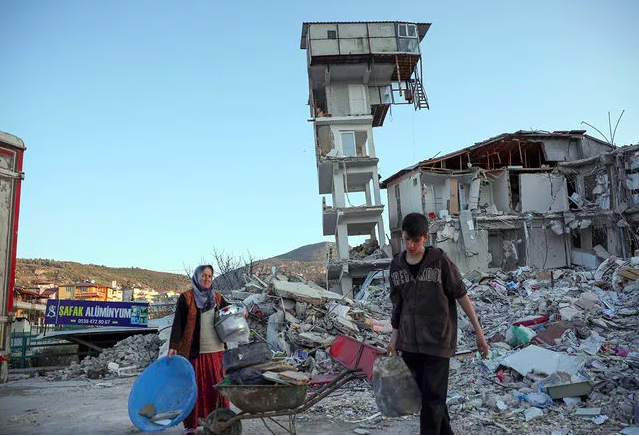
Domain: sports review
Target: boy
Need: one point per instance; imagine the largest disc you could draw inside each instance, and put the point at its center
(425, 286)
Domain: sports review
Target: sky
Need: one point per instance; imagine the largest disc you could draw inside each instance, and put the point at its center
(158, 131)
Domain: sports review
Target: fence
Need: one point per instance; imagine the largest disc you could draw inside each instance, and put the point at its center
(29, 346)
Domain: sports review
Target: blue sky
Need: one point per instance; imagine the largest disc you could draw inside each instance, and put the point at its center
(158, 130)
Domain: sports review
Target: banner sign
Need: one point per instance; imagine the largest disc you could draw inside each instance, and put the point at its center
(101, 313)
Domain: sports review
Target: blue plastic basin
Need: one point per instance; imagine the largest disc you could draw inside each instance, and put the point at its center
(167, 384)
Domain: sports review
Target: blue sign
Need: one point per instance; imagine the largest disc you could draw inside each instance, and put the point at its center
(100, 313)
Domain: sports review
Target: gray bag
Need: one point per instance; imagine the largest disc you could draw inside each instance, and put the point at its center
(395, 388)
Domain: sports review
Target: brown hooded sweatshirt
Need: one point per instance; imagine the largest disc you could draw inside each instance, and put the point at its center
(425, 308)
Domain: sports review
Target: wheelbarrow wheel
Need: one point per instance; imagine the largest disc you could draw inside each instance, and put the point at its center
(216, 422)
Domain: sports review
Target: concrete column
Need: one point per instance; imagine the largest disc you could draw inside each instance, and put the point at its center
(347, 285)
(612, 232)
(368, 194)
(371, 143)
(342, 241)
(380, 231)
(378, 198)
(338, 186)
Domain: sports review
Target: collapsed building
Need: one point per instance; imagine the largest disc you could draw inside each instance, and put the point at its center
(356, 71)
(529, 198)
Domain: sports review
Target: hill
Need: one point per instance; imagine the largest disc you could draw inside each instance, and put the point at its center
(29, 271)
(307, 260)
(308, 253)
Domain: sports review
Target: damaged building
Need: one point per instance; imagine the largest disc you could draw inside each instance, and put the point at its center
(356, 71)
(529, 198)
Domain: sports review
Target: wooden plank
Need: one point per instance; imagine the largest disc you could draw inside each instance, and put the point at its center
(454, 197)
(628, 275)
(274, 367)
(295, 376)
(274, 377)
(633, 270)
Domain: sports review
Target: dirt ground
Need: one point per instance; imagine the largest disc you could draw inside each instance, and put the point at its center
(37, 406)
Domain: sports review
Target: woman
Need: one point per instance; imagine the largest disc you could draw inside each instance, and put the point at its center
(193, 337)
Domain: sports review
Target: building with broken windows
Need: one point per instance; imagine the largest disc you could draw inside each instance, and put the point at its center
(356, 71)
(542, 199)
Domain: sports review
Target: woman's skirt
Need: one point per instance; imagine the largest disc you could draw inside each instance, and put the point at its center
(208, 372)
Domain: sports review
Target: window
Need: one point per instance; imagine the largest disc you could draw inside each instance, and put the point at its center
(407, 31)
(348, 144)
(331, 34)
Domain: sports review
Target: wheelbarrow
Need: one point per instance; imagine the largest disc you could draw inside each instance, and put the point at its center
(266, 402)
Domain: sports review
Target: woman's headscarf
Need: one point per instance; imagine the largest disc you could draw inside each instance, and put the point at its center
(203, 296)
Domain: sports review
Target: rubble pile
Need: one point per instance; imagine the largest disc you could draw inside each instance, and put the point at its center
(300, 320)
(564, 347)
(564, 352)
(370, 249)
(127, 358)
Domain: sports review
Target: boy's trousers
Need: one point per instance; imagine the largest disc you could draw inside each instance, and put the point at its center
(431, 374)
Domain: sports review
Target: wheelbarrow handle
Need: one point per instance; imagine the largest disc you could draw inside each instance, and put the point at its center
(340, 381)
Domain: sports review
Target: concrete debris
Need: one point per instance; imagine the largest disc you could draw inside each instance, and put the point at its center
(127, 358)
(370, 249)
(585, 323)
(532, 413)
(576, 345)
(303, 293)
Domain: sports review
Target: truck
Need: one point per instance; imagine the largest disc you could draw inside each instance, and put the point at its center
(11, 154)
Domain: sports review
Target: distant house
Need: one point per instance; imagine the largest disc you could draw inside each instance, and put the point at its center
(146, 294)
(84, 291)
(29, 304)
(26, 295)
(115, 294)
(42, 286)
(52, 292)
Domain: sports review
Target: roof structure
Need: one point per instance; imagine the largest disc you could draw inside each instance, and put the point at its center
(488, 154)
(422, 28)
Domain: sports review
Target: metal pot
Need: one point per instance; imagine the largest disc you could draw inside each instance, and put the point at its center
(230, 324)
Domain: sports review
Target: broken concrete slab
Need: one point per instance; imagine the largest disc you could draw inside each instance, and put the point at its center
(310, 339)
(304, 293)
(541, 360)
(469, 237)
(601, 252)
(588, 411)
(568, 313)
(344, 325)
(532, 413)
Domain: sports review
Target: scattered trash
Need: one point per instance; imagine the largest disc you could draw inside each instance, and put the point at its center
(532, 413)
(600, 419)
(563, 344)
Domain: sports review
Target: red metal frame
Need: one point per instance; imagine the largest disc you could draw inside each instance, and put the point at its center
(355, 354)
(19, 154)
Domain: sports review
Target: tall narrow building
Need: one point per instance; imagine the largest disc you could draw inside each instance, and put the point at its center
(356, 71)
